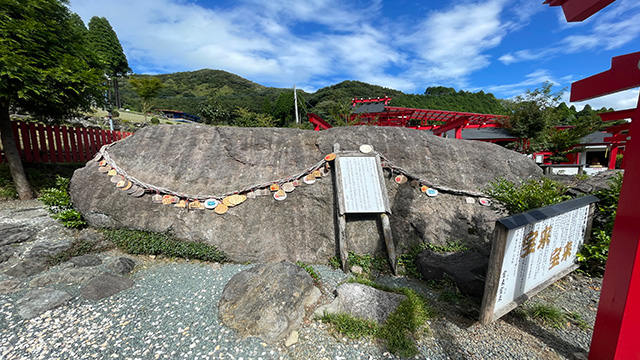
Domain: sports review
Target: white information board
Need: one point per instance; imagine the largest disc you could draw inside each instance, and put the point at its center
(361, 185)
(531, 251)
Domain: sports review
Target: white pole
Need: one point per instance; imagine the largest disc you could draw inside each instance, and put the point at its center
(295, 103)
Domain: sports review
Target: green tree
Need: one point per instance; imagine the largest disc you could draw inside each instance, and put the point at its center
(244, 117)
(284, 109)
(147, 89)
(561, 142)
(105, 43)
(531, 115)
(46, 68)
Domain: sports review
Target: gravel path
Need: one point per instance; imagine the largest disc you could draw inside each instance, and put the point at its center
(171, 313)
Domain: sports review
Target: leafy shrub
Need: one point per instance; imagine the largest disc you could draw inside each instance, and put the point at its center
(399, 331)
(593, 255)
(78, 247)
(149, 243)
(58, 202)
(154, 121)
(334, 262)
(529, 195)
(314, 275)
(368, 262)
(115, 113)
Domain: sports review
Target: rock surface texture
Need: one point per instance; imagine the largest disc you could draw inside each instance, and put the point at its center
(202, 160)
(267, 300)
(467, 269)
(363, 302)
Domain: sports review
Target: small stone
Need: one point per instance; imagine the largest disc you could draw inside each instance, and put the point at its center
(152, 257)
(216, 266)
(292, 338)
(38, 301)
(27, 267)
(86, 260)
(122, 265)
(357, 269)
(105, 285)
(9, 286)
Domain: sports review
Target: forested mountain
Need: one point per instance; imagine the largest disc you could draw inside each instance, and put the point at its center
(215, 95)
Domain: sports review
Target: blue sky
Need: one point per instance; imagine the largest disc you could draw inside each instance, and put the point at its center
(498, 46)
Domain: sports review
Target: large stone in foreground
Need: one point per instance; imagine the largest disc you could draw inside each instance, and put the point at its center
(363, 302)
(267, 301)
(203, 160)
(38, 301)
(105, 285)
(467, 269)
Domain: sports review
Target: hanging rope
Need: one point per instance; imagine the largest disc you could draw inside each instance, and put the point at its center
(386, 164)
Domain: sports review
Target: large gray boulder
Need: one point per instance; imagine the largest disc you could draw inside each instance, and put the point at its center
(214, 161)
(105, 285)
(363, 302)
(467, 269)
(267, 301)
(38, 301)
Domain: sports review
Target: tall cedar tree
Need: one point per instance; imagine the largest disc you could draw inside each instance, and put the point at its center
(105, 44)
(46, 68)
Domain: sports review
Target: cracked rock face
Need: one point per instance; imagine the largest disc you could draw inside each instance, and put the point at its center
(204, 160)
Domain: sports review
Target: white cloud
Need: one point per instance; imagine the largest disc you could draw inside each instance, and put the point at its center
(613, 28)
(532, 81)
(450, 44)
(623, 100)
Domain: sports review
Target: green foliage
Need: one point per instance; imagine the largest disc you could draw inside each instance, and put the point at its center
(563, 142)
(115, 113)
(526, 196)
(368, 262)
(46, 66)
(531, 114)
(334, 262)
(593, 254)
(154, 121)
(314, 275)
(149, 243)
(400, 330)
(246, 118)
(78, 247)
(58, 202)
(547, 315)
(147, 88)
(104, 42)
(592, 257)
(350, 326)
(40, 175)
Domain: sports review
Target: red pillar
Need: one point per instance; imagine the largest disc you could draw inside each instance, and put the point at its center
(617, 329)
(612, 156)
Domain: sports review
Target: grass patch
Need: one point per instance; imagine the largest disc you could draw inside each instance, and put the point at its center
(58, 203)
(41, 176)
(547, 315)
(402, 328)
(368, 262)
(351, 326)
(150, 243)
(78, 247)
(311, 271)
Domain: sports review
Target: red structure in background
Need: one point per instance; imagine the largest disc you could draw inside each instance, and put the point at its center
(617, 327)
(578, 10)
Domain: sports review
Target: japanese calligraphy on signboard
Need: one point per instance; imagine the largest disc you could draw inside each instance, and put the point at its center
(361, 185)
(531, 251)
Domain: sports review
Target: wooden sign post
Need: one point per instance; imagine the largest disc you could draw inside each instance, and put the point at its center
(360, 189)
(531, 251)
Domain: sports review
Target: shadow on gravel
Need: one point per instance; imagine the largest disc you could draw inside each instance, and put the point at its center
(548, 337)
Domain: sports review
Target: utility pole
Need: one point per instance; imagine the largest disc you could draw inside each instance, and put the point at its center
(295, 103)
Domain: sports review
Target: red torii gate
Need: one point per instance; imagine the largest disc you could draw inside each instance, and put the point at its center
(617, 327)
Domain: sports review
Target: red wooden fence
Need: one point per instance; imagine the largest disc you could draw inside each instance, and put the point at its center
(57, 144)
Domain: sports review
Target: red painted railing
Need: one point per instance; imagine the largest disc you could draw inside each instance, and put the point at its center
(58, 144)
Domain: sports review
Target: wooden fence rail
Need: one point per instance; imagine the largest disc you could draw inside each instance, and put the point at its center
(59, 144)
